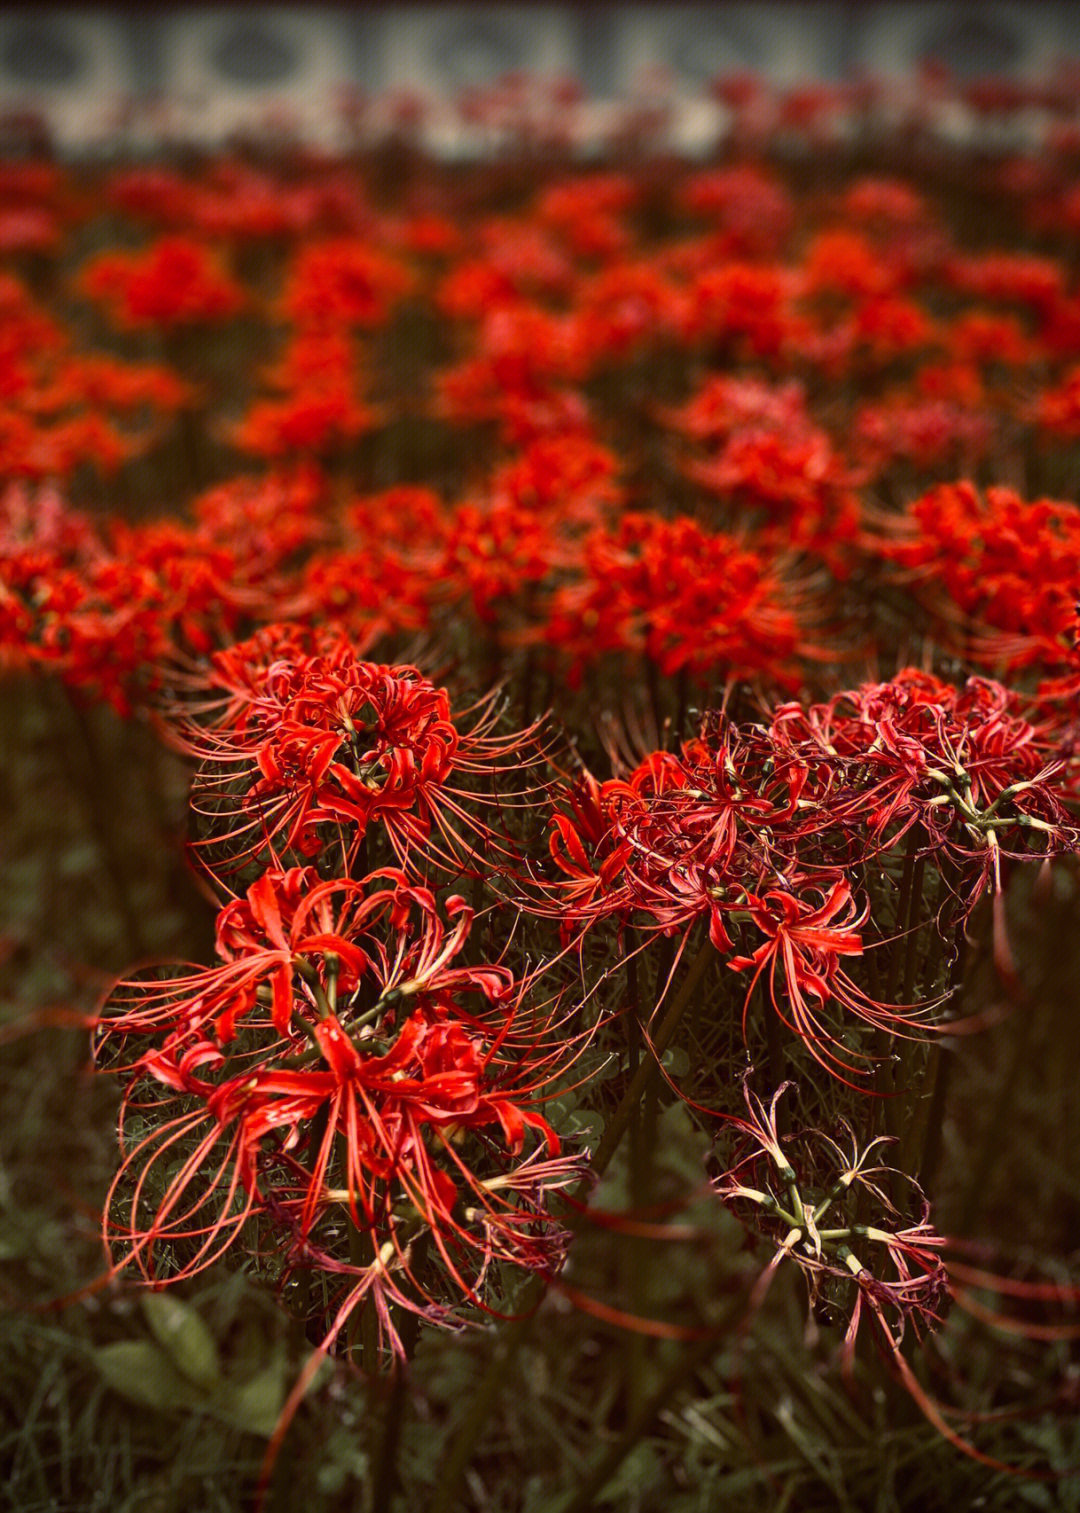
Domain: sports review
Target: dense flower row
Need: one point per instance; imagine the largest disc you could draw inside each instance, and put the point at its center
(753, 372)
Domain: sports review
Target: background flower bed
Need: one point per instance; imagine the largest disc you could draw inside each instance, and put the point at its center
(670, 434)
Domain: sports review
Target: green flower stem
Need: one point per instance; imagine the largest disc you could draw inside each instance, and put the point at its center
(908, 1051)
(902, 908)
(997, 1121)
(491, 1384)
(630, 1256)
(941, 1062)
(385, 1479)
(661, 1039)
(911, 944)
(85, 768)
(318, 992)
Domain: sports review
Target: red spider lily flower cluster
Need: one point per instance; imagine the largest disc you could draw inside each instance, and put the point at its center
(930, 435)
(174, 282)
(65, 409)
(303, 746)
(1002, 572)
(963, 764)
(766, 832)
(107, 608)
(332, 289)
(686, 597)
(878, 345)
(794, 483)
(340, 1070)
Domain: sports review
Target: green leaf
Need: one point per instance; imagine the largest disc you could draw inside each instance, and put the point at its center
(677, 1060)
(254, 1406)
(179, 1330)
(589, 1125)
(145, 1375)
(639, 1473)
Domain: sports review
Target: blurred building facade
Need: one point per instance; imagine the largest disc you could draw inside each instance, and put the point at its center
(209, 70)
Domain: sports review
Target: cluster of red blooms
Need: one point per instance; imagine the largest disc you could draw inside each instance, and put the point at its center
(64, 408)
(103, 604)
(1007, 568)
(685, 597)
(331, 290)
(650, 439)
(347, 1073)
(765, 832)
(812, 355)
(526, 555)
(174, 282)
(302, 747)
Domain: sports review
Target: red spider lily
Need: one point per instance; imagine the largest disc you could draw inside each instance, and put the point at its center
(517, 262)
(742, 307)
(363, 594)
(400, 518)
(727, 405)
(1008, 278)
(688, 597)
(791, 1188)
(305, 424)
(1059, 324)
(878, 333)
(160, 196)
(963, 763)
(293, 946)
(636, 428)
(65, 408)
(1010, 563)
(341, 283)
(390, 1130)
(1057, 410)
(111, 611)
(588, 214)
(929, 433)
(883, 204)
(623, 310)
(496, 553)
(674, 840)
(795, 481)
(804, 943)
(587, 888)
(751, 208)
(991, 339)
(267, 520)
(410, 1114)
(329, 740)
(106, 617)
(760, 827)
(174, 282)
(525, 357)
(316, 405)
(569, 479)
(843, 262)
(233, 201)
